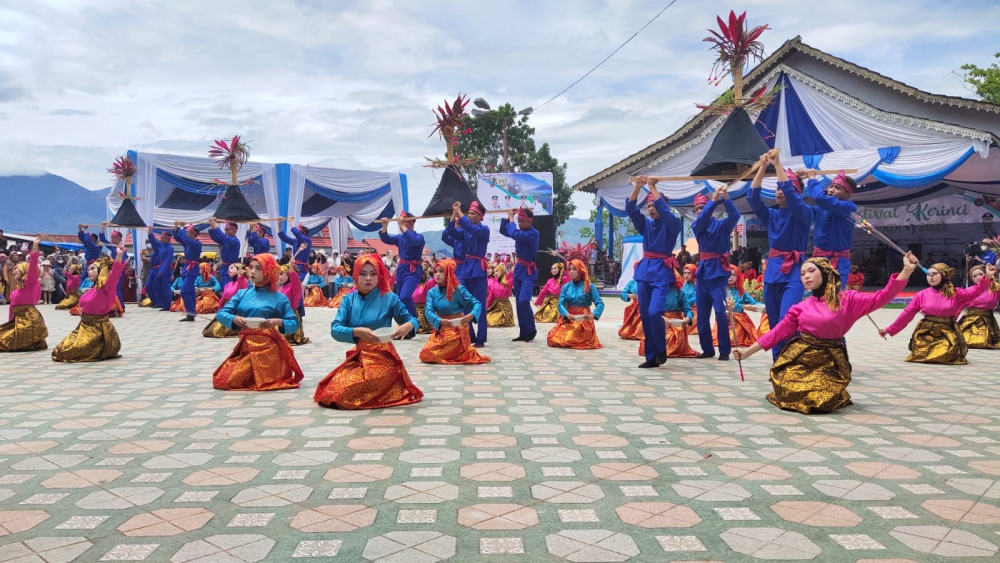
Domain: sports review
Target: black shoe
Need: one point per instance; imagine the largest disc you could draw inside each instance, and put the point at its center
(531, 336)
(705, 355)
(649, 364)
(187, 319)
(166, 309)
(478, 345)
(723, 357)
(518, 339)
(661, 358)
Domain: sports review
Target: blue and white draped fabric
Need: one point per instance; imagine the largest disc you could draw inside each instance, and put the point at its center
(362, 197)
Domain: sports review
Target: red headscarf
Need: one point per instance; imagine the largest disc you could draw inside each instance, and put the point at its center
(841, 180)
(796, 183)
(584, 275)
(474, 207)
(381, 273)
(700, 199)
(271, 270)
(522, 215)
(450, 281)
(739, 279)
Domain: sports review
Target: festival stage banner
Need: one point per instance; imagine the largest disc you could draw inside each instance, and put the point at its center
(512, 190)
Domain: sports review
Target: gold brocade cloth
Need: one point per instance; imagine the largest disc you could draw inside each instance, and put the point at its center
(207, 303)
(746, 332)
(979, 329)
(299, 338)
(93, 340)
(451, 345)
(549, 311)
(693, 330)
(936, 340)
(146, 302)
(71, 300)
(579, 335)
(425, 327)
(335, 300)
(260, 361)
(765, 325)
(215, 329)
(500, 314)
(631, 328)
(315, 298)
(372, 377)
(811, 375)
(677, 339)
(26, 332)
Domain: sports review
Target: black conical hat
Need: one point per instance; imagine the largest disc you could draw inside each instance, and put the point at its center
(127, 216)
(738, 142)
(235, 207)
(451, 188)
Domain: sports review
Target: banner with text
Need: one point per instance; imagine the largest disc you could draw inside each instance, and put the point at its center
(512, 190)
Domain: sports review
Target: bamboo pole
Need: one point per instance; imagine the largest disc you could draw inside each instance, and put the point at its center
(726, 177)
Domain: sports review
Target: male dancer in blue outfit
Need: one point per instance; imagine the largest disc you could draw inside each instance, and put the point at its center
(192, 253)
(91, 248)
(152, 286)
(833, 228)
(161, 276)
(301, 244)
(473, 271)
(257, 241)
(713, 236)
(229, 245)
(525, 269)
(787, 235)
(654, 274)
(410, 269)
(116, 239)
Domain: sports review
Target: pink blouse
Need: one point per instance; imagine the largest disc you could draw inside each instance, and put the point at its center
(550, 288)
(986, 301)
(494, 291)
(31, 291)
(815, 318)
(420, 294)
(72, 283)
(100, 301)
(931, 302)
(231, 288)
(293, 291)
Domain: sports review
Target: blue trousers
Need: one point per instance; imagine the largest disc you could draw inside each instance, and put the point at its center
(405, 286)
(652, 305)
(711, 295)
(187, 290)
(844, 268)
(525, 317)
(778, 298)
(477, 287)
(166, 293)
(120, 298)
(153, 288)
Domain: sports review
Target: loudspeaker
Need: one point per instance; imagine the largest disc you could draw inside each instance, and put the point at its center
(546, 227)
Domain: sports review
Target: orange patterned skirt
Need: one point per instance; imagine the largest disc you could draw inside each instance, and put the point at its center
(693, 329)
(260, 361)
(677, 339)
(178, 305)
(579, 335)
(315, 298)
(372, 377)
(764, 327)
(335, 300)
(451, 345)
(207, 303)
(631, 328)
(746, 332)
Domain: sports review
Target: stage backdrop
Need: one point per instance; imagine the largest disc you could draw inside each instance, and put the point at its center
(511, 190)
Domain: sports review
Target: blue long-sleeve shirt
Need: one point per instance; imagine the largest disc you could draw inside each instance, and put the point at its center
(574, 294)
(343, 280)
(631, 288)
(176, 286)
(260, 303)
(192, 251)
(91, 251)
(677, 301)
(113, 248)
(833, 228)
(455, 238)
(316, 279)
(210, 282)
(713, 236)
(787, 230)
(373, 311)
(259, 244)
(659, 235)
(740, 300)
(297, 239)
(526, 246)
(438, 305)
(690, 293)
(411, 247)
(477, 238)
(164, 256)
(229, 247)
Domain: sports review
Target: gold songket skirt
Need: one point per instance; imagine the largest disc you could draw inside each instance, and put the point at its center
(206, 303)
(315, 298)
(579, 335)
(549, 311)
(677, 338)
(425, 327)
(746, 332)
(631, 328)
(215, 329)
(979, 329)
(451, 345)
(764, 327)
(299, 338)
(146, 302)
(70, 301)
(260, 361)
(372, 377)
(94, 339)
(936, 340)
(500, 314)
(335, 300)
(26, 332)
(811, 375)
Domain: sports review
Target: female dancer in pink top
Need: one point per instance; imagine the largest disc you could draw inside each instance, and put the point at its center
(25, 328)
(499, 312)
(936, 340)
(291, 286)
(95, 338)
(237, 281)
(420, 300)
(812, 371)
(548, 297)
(979, 326)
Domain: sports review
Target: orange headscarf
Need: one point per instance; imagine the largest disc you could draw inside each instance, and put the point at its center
(450, 281)
(317, 268)
(381, 272)
(584, 275)
(271, 270)
(739, 279)
(693, 269)
(206, 271)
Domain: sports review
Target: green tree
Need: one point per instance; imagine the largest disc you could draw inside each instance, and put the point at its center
(484, 139)
(985, 82)
(620, 226)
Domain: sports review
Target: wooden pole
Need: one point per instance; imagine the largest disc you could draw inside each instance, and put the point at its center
(726, 177)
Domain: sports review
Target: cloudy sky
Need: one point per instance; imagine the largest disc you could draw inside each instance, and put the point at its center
(351, 84)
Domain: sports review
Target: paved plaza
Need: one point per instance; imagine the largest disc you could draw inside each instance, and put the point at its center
(543, 455)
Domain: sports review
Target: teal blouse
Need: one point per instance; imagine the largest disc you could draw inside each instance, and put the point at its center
(370, 311)
(574, 295)
(438, 304)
